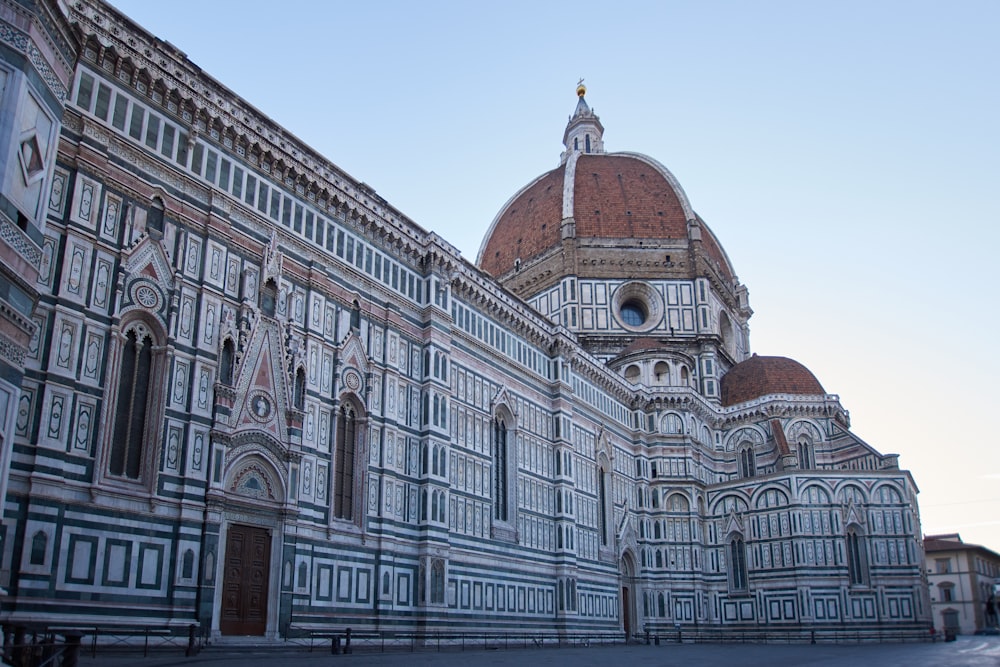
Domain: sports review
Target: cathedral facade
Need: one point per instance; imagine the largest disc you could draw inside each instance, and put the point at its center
(242, 390)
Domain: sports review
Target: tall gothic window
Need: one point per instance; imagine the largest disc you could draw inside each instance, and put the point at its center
(737, 564)
(437, 581)
(346, 444)
(154, 218)
(300, 389)
(747, 461)
(134, 378)
(602, 505)
(857, 559)
(500, 469)
(807, 457)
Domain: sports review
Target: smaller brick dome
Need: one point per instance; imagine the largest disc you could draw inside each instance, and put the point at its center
(760, 376)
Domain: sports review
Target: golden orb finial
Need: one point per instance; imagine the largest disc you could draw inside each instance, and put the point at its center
(581, 89)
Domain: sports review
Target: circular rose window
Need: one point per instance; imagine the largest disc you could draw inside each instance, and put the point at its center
(637, 307)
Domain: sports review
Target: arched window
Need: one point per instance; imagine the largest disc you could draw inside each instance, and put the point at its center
(154, 218)
(661, 373)
(747, 461)
(673, 424)
(603, 504)
(737, 564)
(226, 362)
(346, 446)
(135, 377)
(300, 389)
(356, 316)
(857, 557)
(187, 564)
(632, 373)
(269, 298)
(39, 545)
(500, 501)
(807, 457)
(437, 581)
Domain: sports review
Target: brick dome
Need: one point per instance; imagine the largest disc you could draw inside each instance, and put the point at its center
(624, 202)
(612, 196)
(759, 376)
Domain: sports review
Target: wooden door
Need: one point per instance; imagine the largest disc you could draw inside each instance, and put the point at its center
(245, 581)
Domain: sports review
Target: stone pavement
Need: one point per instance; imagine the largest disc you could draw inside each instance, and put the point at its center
(965, 652)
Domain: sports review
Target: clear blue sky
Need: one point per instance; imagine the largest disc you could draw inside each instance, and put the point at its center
(847, 154)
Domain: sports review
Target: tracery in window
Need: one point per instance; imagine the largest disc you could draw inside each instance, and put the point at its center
(344, 461)
(603, 503)
(136, 375)
(747, 461)
(437, 581)
(857, 557)
(500, 473)
(737, 564)
(807, 456)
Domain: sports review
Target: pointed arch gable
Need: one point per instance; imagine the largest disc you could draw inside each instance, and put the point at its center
(263, 391)
(352, 353)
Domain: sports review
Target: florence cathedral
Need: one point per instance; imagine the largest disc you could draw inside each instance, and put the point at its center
(241, 390)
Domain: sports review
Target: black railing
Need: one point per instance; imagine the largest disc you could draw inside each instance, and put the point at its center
(765, 635)
(53, 646)
(24, 648)
(346, 641)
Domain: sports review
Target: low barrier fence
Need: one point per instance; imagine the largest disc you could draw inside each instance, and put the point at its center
(347, 641)
(49, 646)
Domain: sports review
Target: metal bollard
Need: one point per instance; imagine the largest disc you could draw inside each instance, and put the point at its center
(347, 641)
(191, 649)
(335, 645)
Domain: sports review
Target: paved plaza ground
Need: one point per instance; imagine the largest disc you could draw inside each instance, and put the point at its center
(964, 652)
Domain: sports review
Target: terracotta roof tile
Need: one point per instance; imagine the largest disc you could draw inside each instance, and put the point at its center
(760, 376)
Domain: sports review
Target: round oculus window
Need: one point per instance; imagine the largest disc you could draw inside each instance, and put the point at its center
(638, 307)
(633, 313)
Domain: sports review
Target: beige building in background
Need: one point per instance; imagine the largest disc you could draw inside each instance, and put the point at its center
(962, 579)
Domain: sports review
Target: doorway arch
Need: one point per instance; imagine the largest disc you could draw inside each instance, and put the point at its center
(251, 535)
(629, 595)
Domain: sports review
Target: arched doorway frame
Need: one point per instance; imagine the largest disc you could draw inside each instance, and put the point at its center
(629, 617)
(265, 512)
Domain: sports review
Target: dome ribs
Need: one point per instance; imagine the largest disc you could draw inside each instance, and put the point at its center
(760, 376)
